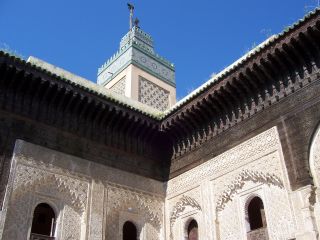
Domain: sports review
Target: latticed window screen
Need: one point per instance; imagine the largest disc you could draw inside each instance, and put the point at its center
(120, 86)
(153, 95)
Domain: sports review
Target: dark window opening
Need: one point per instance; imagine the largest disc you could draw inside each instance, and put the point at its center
(193, 230)
(129, 231)
(43, 222)
(256, 214)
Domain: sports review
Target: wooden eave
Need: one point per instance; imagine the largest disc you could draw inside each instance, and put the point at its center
(31, 75)
(275, 71)
(269, 73)
(38, 95)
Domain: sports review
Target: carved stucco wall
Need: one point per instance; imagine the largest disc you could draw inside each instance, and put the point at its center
(32, 186)
(91, 201)
(181, 211)
(120, 86)
(153, 95)
(145, 210)
(224, 183)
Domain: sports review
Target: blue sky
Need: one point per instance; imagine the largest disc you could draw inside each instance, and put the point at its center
(200, 37)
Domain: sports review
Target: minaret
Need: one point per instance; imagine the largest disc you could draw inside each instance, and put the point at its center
(137, 72)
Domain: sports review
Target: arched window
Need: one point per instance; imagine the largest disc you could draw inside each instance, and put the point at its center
(193, 230)
(43, 222)
(129, 231)
(256, 214)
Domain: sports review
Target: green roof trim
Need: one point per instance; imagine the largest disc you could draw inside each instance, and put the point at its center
(138, 45)
(118, 54)
(137, 64)
(138, 33)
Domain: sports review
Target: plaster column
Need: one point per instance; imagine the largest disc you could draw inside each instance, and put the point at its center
(207, 230)
(304, 199)
(96, 212)
(316, 210)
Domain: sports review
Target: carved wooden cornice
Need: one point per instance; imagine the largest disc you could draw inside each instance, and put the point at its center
(282, 66)
(43, 97)
(287, 64)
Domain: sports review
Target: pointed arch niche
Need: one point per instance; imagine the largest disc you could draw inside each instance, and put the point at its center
(48, 188)
(43, 222)
(192, 230)
(129, 231)
(185, 205)
(256, 222)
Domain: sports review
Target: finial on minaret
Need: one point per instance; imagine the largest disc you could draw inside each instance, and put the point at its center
(136, 22)
(131, 8)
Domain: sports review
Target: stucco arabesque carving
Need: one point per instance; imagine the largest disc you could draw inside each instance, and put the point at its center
(47, 159)
(238, 183)
(69, 189)
(180, 206)
(234, 158)
(122, 199)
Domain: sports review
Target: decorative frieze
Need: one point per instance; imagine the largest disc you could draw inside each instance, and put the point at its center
(253, 166)
(241, 179)
(154, 66)
(228, 161)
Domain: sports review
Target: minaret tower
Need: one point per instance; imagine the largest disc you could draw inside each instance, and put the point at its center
(137, 72)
